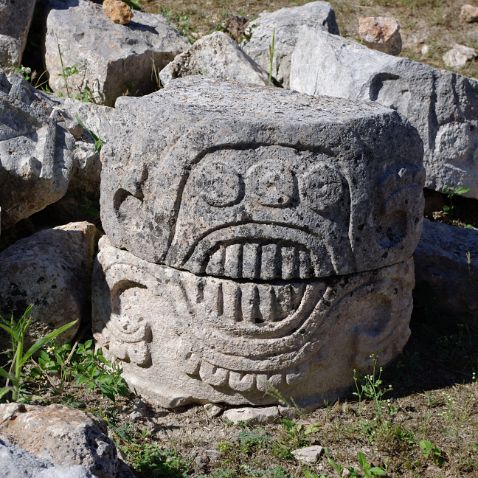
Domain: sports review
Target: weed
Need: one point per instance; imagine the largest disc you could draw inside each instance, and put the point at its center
(294, 435)
(25, 72)
(134, 4)
(17, 331)
(367, 470)
(431, 452)
(451, 193)
(96, 139)
(252, 439)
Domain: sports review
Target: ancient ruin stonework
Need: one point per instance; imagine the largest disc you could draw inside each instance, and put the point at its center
(242, 216)
(183, 338)
(258, 183)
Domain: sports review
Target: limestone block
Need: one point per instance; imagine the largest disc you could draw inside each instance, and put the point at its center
(447, 269)
(261, 183)
(51, 271)
(216, 56)
(35, 150)
(459, 56)
(183, 338)
(110, 59)
(284, 25)
(62, 436)
(443, 106)
(381, 33)
(15, 20)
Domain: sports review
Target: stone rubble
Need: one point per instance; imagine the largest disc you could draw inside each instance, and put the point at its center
(442, 105)
(459, 56)
(381, 33)
(308, 455)
(252, 416)
(469, 13)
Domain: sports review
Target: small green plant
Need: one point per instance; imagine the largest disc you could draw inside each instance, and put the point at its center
(99, 143)
(431, 452)
(371, 387)
(18, 357)
(451, 193)
(25, 72)
(367, 470)
(134, 4)
(253, 439)
(272, 53)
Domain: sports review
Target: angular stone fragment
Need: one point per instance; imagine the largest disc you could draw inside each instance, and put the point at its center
(35, 150)
(15, 19)
(309, 454)
(261, 183)
(443, 106)
(252, 415)
(459, 56)
(63, 436)
(381, 33)
(285, 25)
(49, 270)
(183, 338)
(215, 56)
(447, 269)
(105, 58)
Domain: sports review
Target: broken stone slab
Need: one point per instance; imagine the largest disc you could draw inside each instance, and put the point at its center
(15, 20)
(443, 106)
(183, 338)
(61, 435)
(104, 59)
(284, 25)
(381, 33)
(262, 183)
(459, 56)
(447, 269)
(251, 415)
(308, 455)
(215, 56)
(51, 271)
(36, 150)
(15, 463)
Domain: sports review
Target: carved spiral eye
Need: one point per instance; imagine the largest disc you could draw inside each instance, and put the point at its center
(220, 186)
(324, 188)
(272, 184)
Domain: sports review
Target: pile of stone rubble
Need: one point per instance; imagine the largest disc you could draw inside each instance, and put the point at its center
(260, 211)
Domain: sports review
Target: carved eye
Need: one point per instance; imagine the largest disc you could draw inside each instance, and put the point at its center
(272, 184)
(220, 186)
(324, 188)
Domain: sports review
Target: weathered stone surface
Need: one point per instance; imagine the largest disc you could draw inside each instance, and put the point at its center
(215, 56)
(469, 13)
(459, 56)
(118, 11)
(443, 106)
(381, 33)
(15, 19)
(35, 151)
(308, 455)
(252, 415)
(16, 463)
(62, 436)
(49, 270)
(111, 59)
(285, 25)
(183, 338)
(261, 183)
(447, 269)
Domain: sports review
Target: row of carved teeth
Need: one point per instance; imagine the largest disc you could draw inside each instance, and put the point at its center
(260, 262)
(240, 381)
(247, 302)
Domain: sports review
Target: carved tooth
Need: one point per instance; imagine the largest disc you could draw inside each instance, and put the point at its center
(297, 375)
(215, 266)
(213, 297)
(233, 261)
(242, 382)
(268, 304)
(304, 261)
(265, 383)
(213, 375)
(285, 301)
(251, 261)
(192, 364)
(232, 301)
(269, 262)
(289, 262)
(251, 311)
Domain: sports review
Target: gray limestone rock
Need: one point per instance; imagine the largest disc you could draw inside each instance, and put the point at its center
(252, 415)
(105, 58)
(308, 455)
(447, 269)
(183, 338)
(15, 19)
(285, 25)
(261, 183)
(443, 106)
(62, 436)
(49, 270)
(36, 149)
(216, 56)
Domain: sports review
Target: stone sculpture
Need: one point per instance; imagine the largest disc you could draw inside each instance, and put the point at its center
(255, 221)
